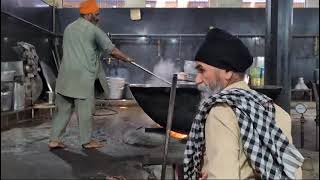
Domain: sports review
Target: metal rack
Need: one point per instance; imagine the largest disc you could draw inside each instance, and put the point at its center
(124, 36)
(5, 114)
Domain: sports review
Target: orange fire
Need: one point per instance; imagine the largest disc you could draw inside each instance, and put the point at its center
(177, 135)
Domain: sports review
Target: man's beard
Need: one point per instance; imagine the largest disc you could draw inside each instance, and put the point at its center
(94, 21)
(210, 89)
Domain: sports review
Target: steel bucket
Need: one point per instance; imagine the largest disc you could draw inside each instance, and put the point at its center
(116, 86)
(7, 76)
(6, 101)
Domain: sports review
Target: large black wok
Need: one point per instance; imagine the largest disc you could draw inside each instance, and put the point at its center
(155, 101)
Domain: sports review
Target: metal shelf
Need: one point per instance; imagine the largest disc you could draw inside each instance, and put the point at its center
(5, 113)
(179, 35)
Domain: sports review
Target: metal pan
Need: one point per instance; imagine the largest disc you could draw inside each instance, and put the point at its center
(155, 101)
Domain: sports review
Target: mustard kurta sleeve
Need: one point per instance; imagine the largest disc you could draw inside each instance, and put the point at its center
(222, 144)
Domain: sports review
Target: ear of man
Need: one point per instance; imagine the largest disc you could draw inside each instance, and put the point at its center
(228, 75)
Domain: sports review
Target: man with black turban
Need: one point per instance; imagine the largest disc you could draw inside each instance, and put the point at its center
(238, 133)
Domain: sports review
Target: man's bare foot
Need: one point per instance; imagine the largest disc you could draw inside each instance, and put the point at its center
(92, 145)
(56, 145)
(115, 178)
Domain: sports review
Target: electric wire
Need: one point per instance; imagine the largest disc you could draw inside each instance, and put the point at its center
(105, 107)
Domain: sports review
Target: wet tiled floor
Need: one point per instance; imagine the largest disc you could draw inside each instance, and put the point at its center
(128, 150)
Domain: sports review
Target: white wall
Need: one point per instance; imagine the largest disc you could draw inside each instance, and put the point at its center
(312, 3)
(225, 3)
(135, 3)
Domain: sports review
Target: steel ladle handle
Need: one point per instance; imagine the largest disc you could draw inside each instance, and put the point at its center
(146, 70)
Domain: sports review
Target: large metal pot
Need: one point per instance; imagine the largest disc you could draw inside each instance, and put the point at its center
(7, 75)
(6, 101)
(155, 101)
(18, 96)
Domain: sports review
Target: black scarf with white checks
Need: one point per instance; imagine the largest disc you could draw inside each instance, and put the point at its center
(268, 149)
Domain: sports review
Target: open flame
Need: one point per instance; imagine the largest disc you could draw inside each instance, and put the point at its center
(177, 135)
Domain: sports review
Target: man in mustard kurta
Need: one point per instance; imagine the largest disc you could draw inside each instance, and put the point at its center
(238, 133)
(83, 44)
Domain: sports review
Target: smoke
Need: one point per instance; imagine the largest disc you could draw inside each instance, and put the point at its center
(165, 69)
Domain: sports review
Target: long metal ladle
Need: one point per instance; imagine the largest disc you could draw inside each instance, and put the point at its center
(146, 70)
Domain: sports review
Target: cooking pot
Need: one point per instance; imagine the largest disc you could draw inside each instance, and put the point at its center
(7, 75)
(6, 100)
(155, 101)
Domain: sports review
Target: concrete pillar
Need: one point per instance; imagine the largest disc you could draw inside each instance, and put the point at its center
(135, 3)
(225, 3)
(279, 16)
(312, 3)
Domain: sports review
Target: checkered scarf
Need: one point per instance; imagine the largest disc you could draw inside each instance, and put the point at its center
(268, 148)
